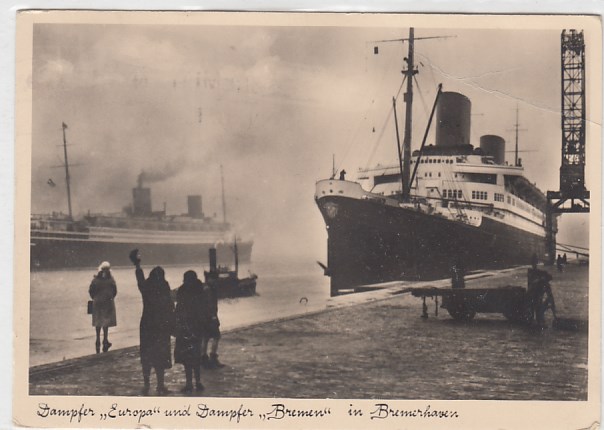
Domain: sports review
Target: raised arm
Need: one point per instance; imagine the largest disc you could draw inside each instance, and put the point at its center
(140, 275)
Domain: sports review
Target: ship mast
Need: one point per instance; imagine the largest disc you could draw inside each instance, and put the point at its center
(517, 129)
(236, 251)
(408, 98)
(223, 199)
(67, 177)
(516, 147)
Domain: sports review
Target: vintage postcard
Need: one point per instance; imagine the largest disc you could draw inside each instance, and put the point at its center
(304, 220)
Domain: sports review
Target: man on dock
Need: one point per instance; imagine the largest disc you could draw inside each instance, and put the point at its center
(211, 327)
(458, 274)
(538, 287)
(560, 263)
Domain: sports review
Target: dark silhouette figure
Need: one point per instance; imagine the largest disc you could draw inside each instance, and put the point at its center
(564, 258)
(539, 293)
(211, 327)
(458, 274)
(559, 263)
(342, 175)
(102, 292)
(157, 324)
(189, 329)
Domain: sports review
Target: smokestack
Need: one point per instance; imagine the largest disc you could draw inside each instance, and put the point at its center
(194, 205)
(493, 146)
(453, 120)
(213, 265)
(141, 201)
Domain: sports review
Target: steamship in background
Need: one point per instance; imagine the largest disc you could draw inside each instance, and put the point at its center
(447, 203)
(59, 241)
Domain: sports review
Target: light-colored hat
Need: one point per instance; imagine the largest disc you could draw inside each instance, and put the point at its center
(104, 266)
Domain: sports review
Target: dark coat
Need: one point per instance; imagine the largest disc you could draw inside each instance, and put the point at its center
(210, 301)
(209, 306)
(189, 322)
(102, 291)
(538, 280)
(458, 274)
(157, 321)
(539, 292)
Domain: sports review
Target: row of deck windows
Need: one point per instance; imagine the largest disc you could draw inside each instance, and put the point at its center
(452, 194)
(430, 161)
(498, 197)
(480, 195)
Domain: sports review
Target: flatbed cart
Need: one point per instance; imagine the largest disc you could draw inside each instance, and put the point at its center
(464, 303)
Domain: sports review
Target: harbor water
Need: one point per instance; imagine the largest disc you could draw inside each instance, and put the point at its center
(371, 344)
(60, 328)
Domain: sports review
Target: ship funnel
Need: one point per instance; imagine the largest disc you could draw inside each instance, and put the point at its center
(194, 205)
(493, 146)
(213, 262)
(453, 120)
(141, 201)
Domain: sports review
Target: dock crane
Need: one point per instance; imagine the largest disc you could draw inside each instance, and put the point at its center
(572, 170)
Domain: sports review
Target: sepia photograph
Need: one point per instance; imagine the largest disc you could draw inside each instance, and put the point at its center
(307, 220)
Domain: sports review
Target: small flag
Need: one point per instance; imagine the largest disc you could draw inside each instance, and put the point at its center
(64, 125)
(51, 183)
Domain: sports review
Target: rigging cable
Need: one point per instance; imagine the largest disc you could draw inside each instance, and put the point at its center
(376, 144)
(379, 139)
(421, 97)
(352, 139)
(470, 82)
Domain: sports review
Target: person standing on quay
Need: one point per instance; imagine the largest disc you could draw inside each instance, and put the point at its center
(560, 263)
(211, 327)
(539, 293)
(102, 292)
(156, 326)
(187, 350)
(458, 274)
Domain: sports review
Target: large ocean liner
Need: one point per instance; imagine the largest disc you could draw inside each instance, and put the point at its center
(59, 241)
(444, 204)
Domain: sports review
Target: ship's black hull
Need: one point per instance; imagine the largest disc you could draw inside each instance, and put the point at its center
(49, 254)
(370, 242)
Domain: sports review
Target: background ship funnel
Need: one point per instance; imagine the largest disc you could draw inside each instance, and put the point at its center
(493, 146)
(213, 262)
(141, 201)
(453, 120)
(194, 205)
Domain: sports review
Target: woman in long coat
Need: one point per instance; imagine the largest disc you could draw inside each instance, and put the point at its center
(189, 324)
(156, 326)
(102, 292)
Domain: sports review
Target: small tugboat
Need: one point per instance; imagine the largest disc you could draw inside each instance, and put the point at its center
(226, 281)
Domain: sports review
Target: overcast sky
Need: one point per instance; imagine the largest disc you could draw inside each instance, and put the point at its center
(270, 104)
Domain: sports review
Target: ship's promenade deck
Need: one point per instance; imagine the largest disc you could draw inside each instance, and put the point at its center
(371, 345)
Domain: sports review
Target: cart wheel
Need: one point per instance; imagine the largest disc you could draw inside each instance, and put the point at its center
(461, 312)
(519, 312)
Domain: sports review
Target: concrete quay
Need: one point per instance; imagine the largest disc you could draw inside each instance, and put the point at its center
(372, 345)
